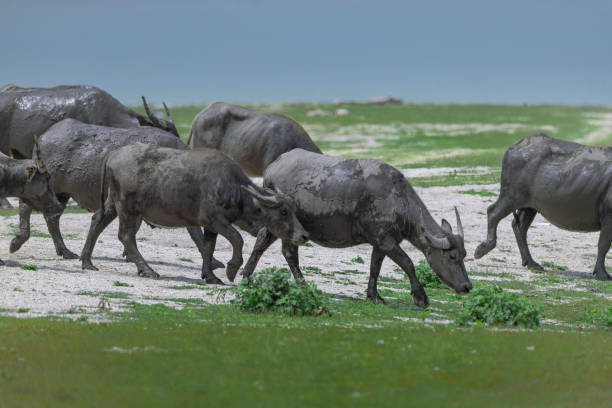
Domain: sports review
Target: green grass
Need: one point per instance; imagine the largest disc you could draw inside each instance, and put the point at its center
(552, 265)
(29, 267)
(203, 352)
(482, 193)
(413, 148)
(118, 283)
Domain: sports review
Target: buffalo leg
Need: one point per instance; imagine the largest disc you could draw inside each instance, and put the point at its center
(264, 240)
(197, 236)
(520, 224)
(25, 211)
(495, 213)
(98, 223)
(229, 232)
(291, 254)
(209, 240)
(603, 246)
(54, 230)
(400, 257)
(375, 263)
(128, 224)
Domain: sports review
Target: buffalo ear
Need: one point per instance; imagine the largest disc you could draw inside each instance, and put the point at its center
(446, 227)
(31, 171)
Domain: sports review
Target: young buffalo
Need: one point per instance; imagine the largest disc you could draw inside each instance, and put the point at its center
(179, 188)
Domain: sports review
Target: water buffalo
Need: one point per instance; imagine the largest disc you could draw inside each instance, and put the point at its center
(73, 153)
(346, 202)
(174, 188)
(252, 139)
(29, 181)
(26, 113)
(568, 183)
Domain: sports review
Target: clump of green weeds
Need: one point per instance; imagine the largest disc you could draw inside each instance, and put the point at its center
(358, 260)
(123, 284)
(493, 306)
(29, 267)
(427, 276)
(274, 290)
(600, 316)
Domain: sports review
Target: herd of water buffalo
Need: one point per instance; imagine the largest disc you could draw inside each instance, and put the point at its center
(79, 142)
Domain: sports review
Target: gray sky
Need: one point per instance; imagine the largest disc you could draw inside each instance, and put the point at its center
(248, 51)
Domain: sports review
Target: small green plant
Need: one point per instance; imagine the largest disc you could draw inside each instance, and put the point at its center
(273, 289)
(186, 259)
(307, 244)
(552, 265)
(23, 310)
(312, 268)
(491, 305)
(427, 276)
(358, 260)
(600, 316)
(483, 193)
(117, 283)
(29, 267)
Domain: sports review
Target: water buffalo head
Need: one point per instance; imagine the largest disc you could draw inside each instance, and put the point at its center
(445, 254)
(32, 184)
(278, 214)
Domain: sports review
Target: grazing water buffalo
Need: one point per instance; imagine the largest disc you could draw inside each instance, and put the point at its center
(176, 188)
(28, 180)
(345, 202)
(73, 153)
(568, 183)
(26, 113)
(252, 139)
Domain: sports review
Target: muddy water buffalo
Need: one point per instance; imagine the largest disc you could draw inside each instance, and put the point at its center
(26, 113)
(252, 139)
(73, 153)
(568, 183)
(177, 188)
(29, 181)
(346, 202)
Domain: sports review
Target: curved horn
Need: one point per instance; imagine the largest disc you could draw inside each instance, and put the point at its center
(267, 200)
(459, 225)
(152, 117)
(168, 113)
(435, 242)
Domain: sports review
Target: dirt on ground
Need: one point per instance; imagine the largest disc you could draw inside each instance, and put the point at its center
(59, 287)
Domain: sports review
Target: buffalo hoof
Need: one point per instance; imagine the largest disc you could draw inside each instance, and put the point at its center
(17, 242)
(377, 299)
(216, 264)
(67, 254)
(602, 275)
(213, 280)
(88, 265)
(420, 298)
(483, 249)
(148, 273)
(232, 270)
(533, 266)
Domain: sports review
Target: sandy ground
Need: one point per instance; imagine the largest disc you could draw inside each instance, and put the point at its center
(60, 287)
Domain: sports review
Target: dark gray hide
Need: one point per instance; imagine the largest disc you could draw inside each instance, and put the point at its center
(568, 183)
(174, 188)
(26, 113)
(28, 180)
(73, 153)
(252, 139)
(347, 202)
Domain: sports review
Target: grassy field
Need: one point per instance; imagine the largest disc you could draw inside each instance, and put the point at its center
(361, 354)
(429, 135)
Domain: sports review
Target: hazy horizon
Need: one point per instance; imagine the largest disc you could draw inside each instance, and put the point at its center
(270, 51)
